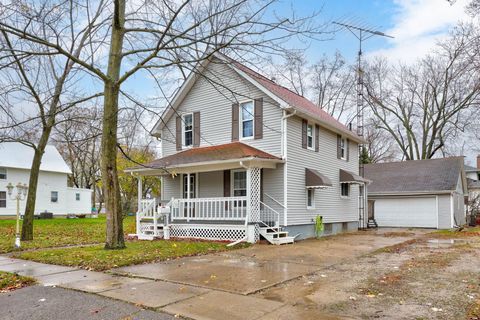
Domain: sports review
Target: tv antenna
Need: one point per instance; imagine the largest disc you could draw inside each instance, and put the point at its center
(362, 34)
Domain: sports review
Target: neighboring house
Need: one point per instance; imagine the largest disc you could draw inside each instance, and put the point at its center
(418, 193)
(242, 155)
(53, 195)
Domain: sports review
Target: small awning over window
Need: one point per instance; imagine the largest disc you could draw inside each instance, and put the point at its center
(314, 179)
(350, 177)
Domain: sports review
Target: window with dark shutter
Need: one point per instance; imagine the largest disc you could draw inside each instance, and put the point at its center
(258, 126)
(339, 146)
(235, 108)
(317, 137)
(196, 129)
(348, 149)
(304, 133)
(178, 133)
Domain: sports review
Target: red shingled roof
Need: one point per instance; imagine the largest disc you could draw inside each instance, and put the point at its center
(229, 151)
(295, 100)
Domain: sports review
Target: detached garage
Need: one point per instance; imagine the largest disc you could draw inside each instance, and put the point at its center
(417, 193)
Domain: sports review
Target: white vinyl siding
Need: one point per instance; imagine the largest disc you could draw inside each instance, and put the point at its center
(215, 103)
(328, 202)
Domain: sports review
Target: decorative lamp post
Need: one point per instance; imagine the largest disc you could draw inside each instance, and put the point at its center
(20, 196)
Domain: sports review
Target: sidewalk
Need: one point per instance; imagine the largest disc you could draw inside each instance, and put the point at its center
(175, 299)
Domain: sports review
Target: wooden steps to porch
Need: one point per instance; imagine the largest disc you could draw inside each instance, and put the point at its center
(275, 235)
(148, 230)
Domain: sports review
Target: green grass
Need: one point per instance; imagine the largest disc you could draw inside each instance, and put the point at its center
(452, 233)
(11, 281)
(60, 232)
(96, 258)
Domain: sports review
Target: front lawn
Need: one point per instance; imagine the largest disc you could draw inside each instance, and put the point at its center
(11, 281)
(96, 258)
(60, 232)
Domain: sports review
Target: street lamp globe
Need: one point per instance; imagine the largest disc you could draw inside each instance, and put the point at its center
(10, 188)
(25, 189)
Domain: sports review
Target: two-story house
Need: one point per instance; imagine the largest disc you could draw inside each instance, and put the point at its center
(244, 157)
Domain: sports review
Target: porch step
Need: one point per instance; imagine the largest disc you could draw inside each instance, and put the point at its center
(274, 235)
(372, 223)
(149, 233)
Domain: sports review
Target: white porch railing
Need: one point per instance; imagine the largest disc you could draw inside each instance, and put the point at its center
(221, 208)
(269, 216)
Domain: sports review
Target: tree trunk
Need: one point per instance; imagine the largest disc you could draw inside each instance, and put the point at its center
(27, 225)
(114, 239)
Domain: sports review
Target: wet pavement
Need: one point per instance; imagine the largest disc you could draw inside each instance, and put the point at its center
(215, 286)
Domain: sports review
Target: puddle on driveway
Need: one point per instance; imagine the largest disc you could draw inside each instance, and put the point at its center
(444, 243)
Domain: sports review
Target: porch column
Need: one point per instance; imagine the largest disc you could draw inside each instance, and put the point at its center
(188, 196)
(139, 193)
(253, 200)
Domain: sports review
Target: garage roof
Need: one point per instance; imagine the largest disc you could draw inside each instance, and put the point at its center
(415, 176)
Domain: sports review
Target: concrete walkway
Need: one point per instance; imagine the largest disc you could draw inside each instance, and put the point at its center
(216, 286)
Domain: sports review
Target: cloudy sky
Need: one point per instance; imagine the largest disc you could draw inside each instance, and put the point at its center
(415, 24)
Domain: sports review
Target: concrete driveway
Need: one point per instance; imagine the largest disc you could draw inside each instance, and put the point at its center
(228, 282)
(260, 282)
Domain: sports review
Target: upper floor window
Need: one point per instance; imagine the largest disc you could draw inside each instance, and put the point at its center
(246, 119)
(343, 148)
(345, 189)
(54, 196)
(187, 132)
(3, 173)
(3, 199)
(77, 196)
(310, 142)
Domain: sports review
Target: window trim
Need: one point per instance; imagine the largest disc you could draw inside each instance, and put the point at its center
(232, 182)
(240, 120)
(313, 136)
(5, 199)
(184, 130)
(343, 148)
(348, 190)
(51, 197)
(312, 206)
(6, 173)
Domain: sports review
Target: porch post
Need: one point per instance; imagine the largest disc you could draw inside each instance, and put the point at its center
(253, 201)
(139, 203)
(188, 197)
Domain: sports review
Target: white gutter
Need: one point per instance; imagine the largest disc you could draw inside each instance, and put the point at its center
(284, 157)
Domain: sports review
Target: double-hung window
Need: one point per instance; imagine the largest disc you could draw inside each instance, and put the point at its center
(310, 198)
(343, 148)
(345, 189)
(187, 126)
(239, 187)
(246, 119)
(3, 173)
(54, 196)
(3, 199)
(310, 142)
(77, 196)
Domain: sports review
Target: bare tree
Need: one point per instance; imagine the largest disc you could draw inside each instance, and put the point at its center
(36, 76)
(156, 35)
(423, 106)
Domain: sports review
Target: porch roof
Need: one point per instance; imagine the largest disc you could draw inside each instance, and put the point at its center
(234, 152)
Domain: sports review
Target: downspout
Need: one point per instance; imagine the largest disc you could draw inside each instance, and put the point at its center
(285, 116)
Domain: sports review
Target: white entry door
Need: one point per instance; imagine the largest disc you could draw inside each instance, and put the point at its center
(419, 212)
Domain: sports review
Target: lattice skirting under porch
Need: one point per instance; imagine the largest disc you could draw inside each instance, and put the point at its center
(208, 232)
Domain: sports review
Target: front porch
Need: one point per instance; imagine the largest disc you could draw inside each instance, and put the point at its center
(195, 210)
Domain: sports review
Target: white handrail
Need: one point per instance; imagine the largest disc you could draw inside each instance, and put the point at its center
(268, 215)
(219, 208)
(274, 200)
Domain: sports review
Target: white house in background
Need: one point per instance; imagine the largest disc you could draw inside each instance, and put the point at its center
(53, 194)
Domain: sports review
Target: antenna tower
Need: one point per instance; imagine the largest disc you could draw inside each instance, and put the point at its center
(362, 34)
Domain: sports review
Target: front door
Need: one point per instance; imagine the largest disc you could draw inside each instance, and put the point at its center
(189, 191)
